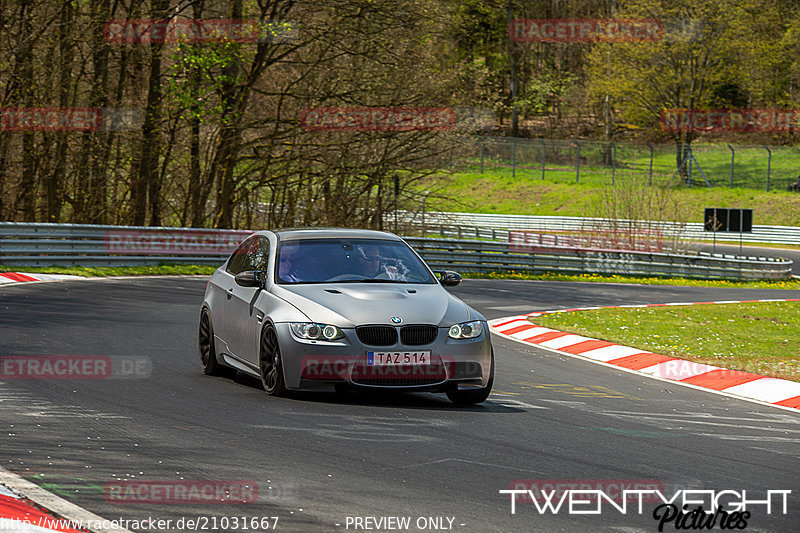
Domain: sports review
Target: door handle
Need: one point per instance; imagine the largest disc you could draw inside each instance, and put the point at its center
(230, 293)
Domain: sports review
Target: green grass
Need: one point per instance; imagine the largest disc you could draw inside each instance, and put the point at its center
(496, 191)
(633, 162)
(791, 284)
(762, 338)
(89, 272)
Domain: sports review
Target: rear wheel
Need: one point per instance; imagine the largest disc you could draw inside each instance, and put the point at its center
(208, 354)
(270, 363)
(475, 396)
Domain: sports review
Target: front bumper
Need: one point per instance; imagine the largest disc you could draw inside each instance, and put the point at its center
(317, 364)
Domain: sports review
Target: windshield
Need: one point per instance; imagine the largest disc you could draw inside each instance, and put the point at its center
(349, 261)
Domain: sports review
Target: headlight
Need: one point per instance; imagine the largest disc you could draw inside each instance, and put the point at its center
(315, 332)
(466, 330)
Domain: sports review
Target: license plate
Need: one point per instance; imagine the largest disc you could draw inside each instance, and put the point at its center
(398, 358)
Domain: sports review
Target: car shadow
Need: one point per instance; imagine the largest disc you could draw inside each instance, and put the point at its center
(380, 398)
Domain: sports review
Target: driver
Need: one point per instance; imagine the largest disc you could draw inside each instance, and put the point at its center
(369, 260)
(373, 265)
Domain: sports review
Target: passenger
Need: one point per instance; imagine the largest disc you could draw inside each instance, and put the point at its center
(286, 268)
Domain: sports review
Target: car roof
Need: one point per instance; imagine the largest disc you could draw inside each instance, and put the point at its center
(295, 234)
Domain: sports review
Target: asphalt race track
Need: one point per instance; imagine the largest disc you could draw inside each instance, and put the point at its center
(319, 462)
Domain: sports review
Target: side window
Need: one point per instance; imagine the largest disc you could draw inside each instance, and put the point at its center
(240, 258)
(261, 255)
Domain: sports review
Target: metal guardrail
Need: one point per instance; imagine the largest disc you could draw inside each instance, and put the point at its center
(479, 225)
(32, 244)
(486, 256)
(29, 244)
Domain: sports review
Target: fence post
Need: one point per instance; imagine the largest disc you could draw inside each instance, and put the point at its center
(514, 157)
(543, 156)
(613, 162)
(689, 159)
(578, 163)
(769, 164)
(482, 155)
(733, 154)
(650, 179)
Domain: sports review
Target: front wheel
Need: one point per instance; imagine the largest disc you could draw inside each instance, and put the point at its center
(476, 396)
(270, 363)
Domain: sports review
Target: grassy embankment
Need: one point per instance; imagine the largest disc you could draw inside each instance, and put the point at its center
(496, 191)
(755, 337)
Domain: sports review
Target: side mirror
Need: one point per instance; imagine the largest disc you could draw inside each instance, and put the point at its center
(249, 278)
(448, 278)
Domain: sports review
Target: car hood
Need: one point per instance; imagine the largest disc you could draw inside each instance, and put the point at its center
(352, 304)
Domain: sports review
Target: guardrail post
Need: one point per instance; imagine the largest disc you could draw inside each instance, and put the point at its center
(733, 154)
(769, 164)
(578, 162)
(689, 159)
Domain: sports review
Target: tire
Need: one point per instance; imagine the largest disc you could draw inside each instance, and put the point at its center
(205, 341)
(473, 397)
(270, 364)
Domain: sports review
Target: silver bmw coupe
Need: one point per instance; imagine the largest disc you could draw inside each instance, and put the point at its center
(305, 309)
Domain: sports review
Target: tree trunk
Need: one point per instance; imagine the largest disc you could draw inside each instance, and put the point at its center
(24, 94)
(96, 201)
(229, 137)
(147, 182)
(66, 52)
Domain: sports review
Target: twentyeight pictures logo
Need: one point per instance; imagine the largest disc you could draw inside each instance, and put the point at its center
(683, 509)
(585, 30)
